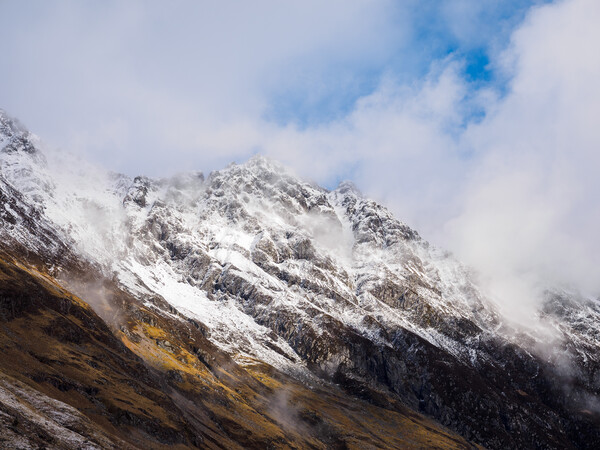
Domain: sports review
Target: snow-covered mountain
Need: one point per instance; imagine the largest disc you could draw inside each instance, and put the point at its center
(325, 287)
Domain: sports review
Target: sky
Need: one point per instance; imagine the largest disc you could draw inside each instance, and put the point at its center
(474, 121)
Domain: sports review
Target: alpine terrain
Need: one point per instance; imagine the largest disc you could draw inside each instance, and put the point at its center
(249, 308)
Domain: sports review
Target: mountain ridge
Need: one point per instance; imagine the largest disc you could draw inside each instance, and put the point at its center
(324, 286)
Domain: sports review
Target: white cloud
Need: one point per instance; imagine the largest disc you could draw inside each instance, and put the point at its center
(181, 77)
(531, 208)
(398, 142)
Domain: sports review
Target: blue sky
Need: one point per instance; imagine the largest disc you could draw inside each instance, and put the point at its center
(474, 121)
(465, 30)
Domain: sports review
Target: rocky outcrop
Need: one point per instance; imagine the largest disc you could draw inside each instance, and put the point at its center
(254, 266)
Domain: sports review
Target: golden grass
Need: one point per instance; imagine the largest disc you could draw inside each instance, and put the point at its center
(252, 406)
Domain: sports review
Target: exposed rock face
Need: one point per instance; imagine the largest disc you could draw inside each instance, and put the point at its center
(324, 286)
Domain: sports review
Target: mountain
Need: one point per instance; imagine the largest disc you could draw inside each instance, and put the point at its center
(251, 308)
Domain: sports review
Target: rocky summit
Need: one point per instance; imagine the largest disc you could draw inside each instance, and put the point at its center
(250, 308)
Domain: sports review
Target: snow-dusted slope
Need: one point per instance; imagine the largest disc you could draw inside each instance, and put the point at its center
(277, 268)
(249, 243)
(252, 242)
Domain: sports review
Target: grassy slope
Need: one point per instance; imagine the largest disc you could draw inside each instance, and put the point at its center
(151, 380)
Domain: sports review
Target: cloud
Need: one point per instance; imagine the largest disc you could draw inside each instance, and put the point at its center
(186, 79)
(398, 142)
(198, 84)
(530, 209)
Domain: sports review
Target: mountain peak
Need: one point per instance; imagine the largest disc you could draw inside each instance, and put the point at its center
(347, 186)
(14, 137)
(260, 162)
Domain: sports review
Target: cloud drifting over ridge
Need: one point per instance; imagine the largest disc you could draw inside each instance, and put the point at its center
(531, 207)
(502, 174)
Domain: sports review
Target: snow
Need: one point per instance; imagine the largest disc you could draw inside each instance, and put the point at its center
(154, 247)
(232, 330)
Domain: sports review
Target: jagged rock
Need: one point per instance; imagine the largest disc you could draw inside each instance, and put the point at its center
(314, 283)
